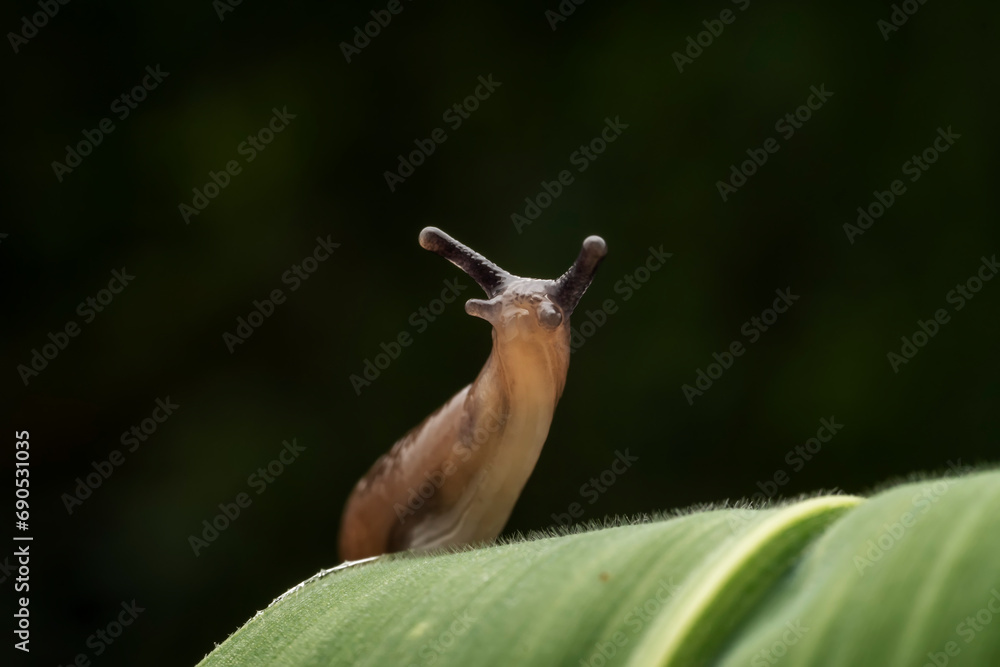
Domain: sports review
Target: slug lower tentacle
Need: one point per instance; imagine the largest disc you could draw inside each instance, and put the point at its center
(455, 477)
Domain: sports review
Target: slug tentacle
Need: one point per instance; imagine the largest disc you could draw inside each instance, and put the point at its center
(454, 478)
(489, 276)
(487, 310)
(572, 284)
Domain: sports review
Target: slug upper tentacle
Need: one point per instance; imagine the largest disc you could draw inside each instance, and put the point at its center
(455, 477)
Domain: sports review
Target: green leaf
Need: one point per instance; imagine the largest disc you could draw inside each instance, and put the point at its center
(832, 580)
(893, 582)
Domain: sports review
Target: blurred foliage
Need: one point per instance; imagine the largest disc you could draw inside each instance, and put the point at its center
(323, 175)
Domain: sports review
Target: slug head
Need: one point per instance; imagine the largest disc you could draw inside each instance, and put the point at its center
(520, 307)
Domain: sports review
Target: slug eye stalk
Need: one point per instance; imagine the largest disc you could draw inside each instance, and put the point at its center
(489, 276)
(566, 291)
(570, 286)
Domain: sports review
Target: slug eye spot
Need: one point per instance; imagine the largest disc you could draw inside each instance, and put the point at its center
(549, 316)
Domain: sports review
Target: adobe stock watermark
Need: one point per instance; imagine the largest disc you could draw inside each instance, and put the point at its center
(927, 329)
(595, 487)
(22, 617)
(898, 17)
(796, 458)
(793, 633)
(627, 286)
(293, 276)
(223, 7)
(104, 637)
(103, 469)
(873, 550)
(88, 309)
(381, 18)
(258, 481)
(581, 158)
(753, 329)
(713, 29)
(434, 479)
(634, 621)
(967, 630)
(455, 116)
(563, 11)
(786, 127)
(419, 319)
(30, 25)
(121, 107)
(7, 569)
(914, 168)
(249, 149)
(431, 651)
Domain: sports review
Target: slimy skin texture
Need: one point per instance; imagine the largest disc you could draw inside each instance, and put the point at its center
(455, 477)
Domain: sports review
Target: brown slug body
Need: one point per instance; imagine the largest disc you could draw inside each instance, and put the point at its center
(454, 478)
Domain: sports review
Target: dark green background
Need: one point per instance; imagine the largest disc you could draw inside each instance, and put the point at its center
(324, 176)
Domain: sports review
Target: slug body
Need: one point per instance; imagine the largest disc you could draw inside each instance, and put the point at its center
(455, 477)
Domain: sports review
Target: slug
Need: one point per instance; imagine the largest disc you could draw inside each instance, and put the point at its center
(454, 478)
